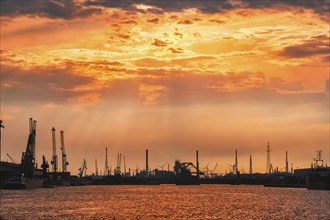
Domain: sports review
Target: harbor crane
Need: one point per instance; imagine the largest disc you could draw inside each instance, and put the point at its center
(215, 167)
(83, 169)
(117, 169)
(44, 165)
(65, 163)
(54, 158)
(11, 159)
(28, 157)
(106, 167)
(162, 166)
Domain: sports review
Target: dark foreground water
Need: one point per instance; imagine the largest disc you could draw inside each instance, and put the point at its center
(165, 202)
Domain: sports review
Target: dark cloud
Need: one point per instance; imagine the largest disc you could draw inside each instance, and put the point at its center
(129, 22)
(317, 45)
(45, 84)
(67, 9)
(211, 6)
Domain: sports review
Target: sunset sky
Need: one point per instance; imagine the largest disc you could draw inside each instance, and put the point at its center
(171, 76)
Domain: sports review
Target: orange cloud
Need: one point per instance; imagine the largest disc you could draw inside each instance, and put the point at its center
(159, 43)
(185, 22)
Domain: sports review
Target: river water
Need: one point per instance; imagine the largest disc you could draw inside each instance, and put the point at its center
(165, 202)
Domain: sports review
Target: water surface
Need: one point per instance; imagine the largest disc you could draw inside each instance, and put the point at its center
(165, 202)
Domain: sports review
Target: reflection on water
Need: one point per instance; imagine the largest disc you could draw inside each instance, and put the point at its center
(165, 202)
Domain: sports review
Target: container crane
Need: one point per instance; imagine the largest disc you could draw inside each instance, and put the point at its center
(54, 158)
(64, 160)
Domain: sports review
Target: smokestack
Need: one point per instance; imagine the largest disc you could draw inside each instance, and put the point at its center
(251, 165)
(286, 162)
(236, 162)
(96, 170)
(197, 163)
(147, 162)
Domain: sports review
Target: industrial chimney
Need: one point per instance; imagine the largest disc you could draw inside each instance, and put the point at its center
(147, 162)
(197, 164)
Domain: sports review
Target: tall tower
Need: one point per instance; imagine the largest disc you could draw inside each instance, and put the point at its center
(251, 171)
(268, 164)
(106, 167)
(54, 159)
(286, 162)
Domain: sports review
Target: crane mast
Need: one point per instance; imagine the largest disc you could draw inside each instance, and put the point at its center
(64, 161)
(54, 158)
